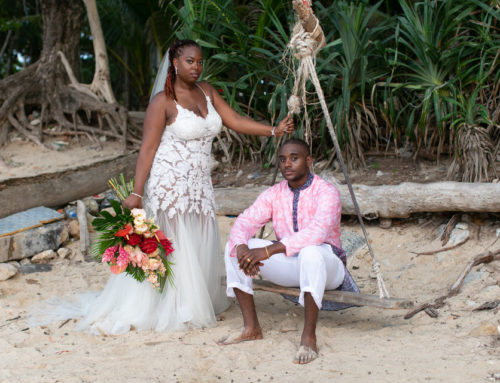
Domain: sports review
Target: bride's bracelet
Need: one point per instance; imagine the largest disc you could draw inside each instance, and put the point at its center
(137, 195)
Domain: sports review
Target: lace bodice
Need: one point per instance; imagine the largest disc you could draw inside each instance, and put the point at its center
(179, 180)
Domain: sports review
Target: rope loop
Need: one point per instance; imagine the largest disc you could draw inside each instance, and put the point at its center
(302, 43)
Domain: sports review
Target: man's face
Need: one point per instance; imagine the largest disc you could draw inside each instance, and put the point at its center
(294, 164)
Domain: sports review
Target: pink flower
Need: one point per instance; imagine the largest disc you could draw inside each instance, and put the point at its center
(162, 269)
(154, 264)
(153, 279)
(123, 259)
(109, 254)
(136, 256)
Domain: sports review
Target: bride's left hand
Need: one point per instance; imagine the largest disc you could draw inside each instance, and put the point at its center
(285, 126)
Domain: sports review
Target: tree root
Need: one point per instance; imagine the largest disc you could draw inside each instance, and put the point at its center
(72, 106)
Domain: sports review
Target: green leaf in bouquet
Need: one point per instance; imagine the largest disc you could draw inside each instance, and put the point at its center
(108, 222)
(101, 244)
(106, 214)
(169, 274)
(116, 207)
(136, 272)
(98, 222)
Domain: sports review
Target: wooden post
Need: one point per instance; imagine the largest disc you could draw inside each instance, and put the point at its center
(81, 213)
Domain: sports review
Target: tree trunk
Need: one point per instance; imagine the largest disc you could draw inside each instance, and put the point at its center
(61, 33)
(62, 23)
(101, 84)
(126, 80)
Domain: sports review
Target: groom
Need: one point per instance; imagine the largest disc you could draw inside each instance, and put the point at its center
(305, 211)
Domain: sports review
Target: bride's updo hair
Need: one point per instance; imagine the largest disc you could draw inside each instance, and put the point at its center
(175, 52)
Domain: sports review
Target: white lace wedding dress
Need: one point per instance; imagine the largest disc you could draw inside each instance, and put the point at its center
(179, 196)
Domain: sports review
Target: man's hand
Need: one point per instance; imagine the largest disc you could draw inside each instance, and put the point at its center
(242, 253)
(250, 260)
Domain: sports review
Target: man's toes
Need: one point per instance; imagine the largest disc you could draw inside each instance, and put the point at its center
(229, 339)
(305, 355)
(222, 341)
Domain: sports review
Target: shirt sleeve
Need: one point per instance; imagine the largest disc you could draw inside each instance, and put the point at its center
(326, 218)
(252, 219)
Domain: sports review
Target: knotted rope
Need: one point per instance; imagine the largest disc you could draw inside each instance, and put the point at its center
(304, 46)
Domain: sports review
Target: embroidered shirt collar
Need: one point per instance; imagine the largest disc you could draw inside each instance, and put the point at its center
(308, 183)
(295, 205)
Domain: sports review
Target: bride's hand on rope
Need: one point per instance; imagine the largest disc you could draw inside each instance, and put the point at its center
(285, 126)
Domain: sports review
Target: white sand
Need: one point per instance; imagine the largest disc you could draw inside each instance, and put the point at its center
(356, 345)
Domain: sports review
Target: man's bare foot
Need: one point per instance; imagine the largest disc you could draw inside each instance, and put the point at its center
(308, 351)
(239, 337)
(305, 355)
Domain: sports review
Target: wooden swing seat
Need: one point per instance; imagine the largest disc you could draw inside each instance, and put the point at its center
(348, 297)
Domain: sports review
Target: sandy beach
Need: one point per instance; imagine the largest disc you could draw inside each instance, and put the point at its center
(356, 345)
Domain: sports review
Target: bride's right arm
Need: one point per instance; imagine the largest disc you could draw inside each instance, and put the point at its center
(154, 124)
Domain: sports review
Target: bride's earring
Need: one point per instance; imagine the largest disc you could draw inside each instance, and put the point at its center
(176, 71)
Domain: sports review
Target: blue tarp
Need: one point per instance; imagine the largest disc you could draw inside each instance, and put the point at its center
(34, 217)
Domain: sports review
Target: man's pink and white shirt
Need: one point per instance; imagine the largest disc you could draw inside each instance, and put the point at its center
(309, 215)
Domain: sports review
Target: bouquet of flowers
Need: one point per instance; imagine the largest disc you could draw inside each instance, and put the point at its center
(131, 243)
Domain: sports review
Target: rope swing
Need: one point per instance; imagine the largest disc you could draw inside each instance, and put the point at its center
(306, 40)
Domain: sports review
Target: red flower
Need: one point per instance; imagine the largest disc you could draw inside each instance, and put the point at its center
(125, 231)
(134, 239)
(167, 245)
(160, 235)
(148, 245)
(164, 241)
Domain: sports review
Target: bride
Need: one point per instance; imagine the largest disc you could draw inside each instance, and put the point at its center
(173, 185)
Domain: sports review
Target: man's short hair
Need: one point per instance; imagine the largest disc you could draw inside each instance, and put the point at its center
(300, 142)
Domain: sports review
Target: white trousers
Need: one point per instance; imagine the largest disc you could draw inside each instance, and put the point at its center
(315, 269)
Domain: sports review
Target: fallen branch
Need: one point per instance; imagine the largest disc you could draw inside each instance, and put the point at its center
(10, 320)
(491, 305)
(432, 252)
(485, 257)
(64, 323)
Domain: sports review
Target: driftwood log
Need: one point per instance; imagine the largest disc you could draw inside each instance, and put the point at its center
(59, 188)
(388, 201)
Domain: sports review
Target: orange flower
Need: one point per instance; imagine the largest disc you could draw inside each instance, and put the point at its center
(125, 231)
(115, 269)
